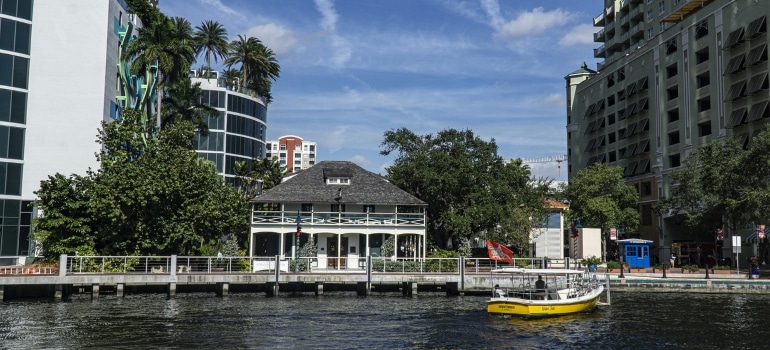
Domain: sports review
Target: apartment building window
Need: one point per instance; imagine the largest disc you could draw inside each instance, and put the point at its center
(704, 129)
(703, 80)
(297, 155)
(704, 104)
(649, 15)
(611, 119)
(673, 115)
(612, 156)
(674, 160)
(662, 26)
(611, 138)
(673, 138)
(671, 46)
(702, 56)
(701, 29)
(757, 27)
(662, 7)
(610, 80)
(736, 91)
(649, 33)
(621, 74)
(673, 92)
(610, 100)
(671, 71)
(646, 188)
(283, 147)
(646, 215)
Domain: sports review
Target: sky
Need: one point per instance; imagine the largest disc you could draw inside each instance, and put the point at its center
(353, 69)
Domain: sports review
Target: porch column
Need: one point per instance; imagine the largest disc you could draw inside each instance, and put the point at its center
(251, 243)
(281, 236)
(339, 250)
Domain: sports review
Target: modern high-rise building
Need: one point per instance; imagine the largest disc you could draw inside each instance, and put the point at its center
(238, 132)
(59, 78)
(293, 152)
(675, 75)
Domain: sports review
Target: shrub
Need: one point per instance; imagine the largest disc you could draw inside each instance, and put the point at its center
(721, 267)
(592, 260)
(612, 264)
(690, 268)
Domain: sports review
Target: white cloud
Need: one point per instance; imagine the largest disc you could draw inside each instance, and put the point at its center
(328, 15)
(554, 100)
(360, 160)
(341, 48)
(492, 8)
(219, 6)
(534, 22)
(581, 34)
(276, 37)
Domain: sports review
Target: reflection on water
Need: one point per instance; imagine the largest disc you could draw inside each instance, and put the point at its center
(387, 321)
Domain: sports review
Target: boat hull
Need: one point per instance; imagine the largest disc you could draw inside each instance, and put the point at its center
(537, 308)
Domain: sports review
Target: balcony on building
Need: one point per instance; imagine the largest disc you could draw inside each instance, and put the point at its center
(599, 51)
(337, 219)
(599, 36)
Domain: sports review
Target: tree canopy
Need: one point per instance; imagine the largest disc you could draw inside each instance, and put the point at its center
(600, 198)
(153, 198)
(470, 190)
(720, 185)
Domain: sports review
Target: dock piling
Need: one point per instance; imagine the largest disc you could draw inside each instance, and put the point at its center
(94, 291)
(119, 290)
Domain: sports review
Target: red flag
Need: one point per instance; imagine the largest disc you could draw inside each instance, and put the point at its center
(497, 251)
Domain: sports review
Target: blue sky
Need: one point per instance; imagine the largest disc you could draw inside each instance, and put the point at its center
(353, 69)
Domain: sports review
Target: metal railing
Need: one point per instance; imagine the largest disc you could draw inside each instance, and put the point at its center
(336, 218)
(244, 265)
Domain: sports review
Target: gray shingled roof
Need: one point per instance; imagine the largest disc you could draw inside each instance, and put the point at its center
(309, 186)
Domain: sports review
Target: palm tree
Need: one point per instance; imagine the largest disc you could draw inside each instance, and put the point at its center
(184, 103)
(232, 77)
(243, 51)
(258, 64)
(162, 47)
(211, 38)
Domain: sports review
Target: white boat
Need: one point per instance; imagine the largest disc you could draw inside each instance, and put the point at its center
(561, 292)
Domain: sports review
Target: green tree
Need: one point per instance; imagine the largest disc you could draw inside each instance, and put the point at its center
(161, 200)
(257, 63)
(600, 198)
(715, 187)
(163, 47)
(268, 171)
(469, 188)
(184, 102)
(211, 39)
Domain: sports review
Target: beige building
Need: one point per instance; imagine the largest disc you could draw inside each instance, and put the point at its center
(675, 75)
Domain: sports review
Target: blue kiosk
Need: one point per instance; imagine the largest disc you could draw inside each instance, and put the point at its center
(635, 252)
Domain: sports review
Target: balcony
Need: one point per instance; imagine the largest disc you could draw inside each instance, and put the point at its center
(685, 9)
(636, 13)
(599, 52)
(599, 36)
(599, 20)
(624, 3)
(337, 219)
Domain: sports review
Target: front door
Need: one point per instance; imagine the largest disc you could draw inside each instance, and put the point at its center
(337, 254)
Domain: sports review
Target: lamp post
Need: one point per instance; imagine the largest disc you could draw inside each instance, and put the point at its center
(296, 242)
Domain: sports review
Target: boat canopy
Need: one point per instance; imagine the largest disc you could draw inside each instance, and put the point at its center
(523, 271)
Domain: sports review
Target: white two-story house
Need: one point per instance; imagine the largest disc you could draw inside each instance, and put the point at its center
(349, 212)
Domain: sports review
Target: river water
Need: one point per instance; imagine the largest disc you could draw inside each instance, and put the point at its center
(380, 321)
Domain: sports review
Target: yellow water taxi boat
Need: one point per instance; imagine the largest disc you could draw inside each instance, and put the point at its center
(545, 292)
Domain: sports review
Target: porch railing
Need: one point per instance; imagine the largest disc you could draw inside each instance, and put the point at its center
(335, 218)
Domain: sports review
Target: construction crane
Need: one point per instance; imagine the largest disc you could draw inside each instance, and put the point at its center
(557, 159)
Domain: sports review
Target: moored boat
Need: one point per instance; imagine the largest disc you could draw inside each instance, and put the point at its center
(545, 292)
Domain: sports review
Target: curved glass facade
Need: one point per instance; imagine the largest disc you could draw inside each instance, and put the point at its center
(237, 133)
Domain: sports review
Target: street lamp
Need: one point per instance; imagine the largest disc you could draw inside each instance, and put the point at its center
(296, 242)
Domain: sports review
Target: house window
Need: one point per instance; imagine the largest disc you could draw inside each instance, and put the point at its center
(646, 188)
(369, 208)
(673, 138)
(674, 161)
(702, 29)
(704, 129)
(703, 80)
(702, 56)
(671, 46)
(673, 115)
(338, 181)
(338, 208)
(673, 92)
(704, 104)
(671, 71)
(307, 207)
